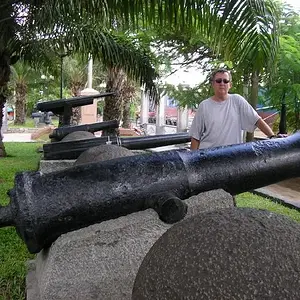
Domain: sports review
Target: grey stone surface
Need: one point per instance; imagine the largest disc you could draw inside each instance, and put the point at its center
(101, 153)
(32, 290)
(48, 166)
(78, 135)
(101, 261)
(225, 254)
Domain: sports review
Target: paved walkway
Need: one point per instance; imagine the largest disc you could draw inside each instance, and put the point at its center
(287, 192)
(17, 137)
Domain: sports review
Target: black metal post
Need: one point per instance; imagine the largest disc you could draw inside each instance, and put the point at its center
(282, 123)
(297, 104)
(61, 75)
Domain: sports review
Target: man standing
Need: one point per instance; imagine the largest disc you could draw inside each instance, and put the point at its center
(220, 119)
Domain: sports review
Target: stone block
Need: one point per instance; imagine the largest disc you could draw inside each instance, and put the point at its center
(101, 261)
(48, 166)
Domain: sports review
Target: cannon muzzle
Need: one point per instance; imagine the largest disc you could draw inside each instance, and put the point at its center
(44, 206)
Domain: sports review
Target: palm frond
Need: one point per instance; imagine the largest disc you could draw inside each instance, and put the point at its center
(218, 20)
(251, 31)
(112, 49)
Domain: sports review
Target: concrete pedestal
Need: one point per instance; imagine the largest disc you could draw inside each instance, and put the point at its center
(89, 112)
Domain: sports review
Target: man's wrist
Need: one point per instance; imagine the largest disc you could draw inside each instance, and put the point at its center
(272, 136)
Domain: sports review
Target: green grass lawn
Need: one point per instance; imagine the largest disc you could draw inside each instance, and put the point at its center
(13, 252)
(29, 123)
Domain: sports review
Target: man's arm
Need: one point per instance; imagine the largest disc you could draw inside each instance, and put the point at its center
(194, 144)
(265, 128)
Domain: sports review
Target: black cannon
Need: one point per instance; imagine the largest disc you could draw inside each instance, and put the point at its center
(72, 149)
(59, 133)
(63, 107)
(44, 206)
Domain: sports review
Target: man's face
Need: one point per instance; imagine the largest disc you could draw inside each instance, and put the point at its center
(221, 83)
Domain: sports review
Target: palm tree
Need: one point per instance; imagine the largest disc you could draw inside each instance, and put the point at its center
(113, 104)
(22, 76)
(76, 78)
(129, 92)
(25, 25)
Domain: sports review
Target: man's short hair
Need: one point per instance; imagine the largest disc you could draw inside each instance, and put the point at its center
(213, 74)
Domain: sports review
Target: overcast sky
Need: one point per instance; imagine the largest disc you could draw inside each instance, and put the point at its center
(294, 3)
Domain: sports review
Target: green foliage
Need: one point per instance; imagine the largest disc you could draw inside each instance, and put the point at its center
(192, 96)
(111, 47)
(13, 252)
(29, 123)
(185, 95)
(285, 82)
(235, 29)
(100, 107)
(51, 92)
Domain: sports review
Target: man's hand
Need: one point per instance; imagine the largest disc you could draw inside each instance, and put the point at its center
(281, 135)
(278, 135)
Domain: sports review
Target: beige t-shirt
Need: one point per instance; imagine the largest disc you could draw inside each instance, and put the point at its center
(222, 123)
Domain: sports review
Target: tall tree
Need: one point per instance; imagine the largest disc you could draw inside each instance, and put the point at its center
(22, 77)
(128, 94)
(113, 104)
(76, 78)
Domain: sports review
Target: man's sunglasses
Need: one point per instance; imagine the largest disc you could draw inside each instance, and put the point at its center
(219, 80)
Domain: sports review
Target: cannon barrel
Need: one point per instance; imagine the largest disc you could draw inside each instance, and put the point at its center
(63, 107)
(59, 133)
(59, 105)
(72, 149)
(44, 206)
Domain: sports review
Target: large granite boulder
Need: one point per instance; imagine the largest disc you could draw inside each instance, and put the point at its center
(101, 153)
(77, 136)
(224, 254)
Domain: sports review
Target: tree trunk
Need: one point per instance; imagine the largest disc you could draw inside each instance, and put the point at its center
(128, 92)
(4, 79)
(76, 87)
(126, 113)
(113, 104)
(253, 99)
(21, 90)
